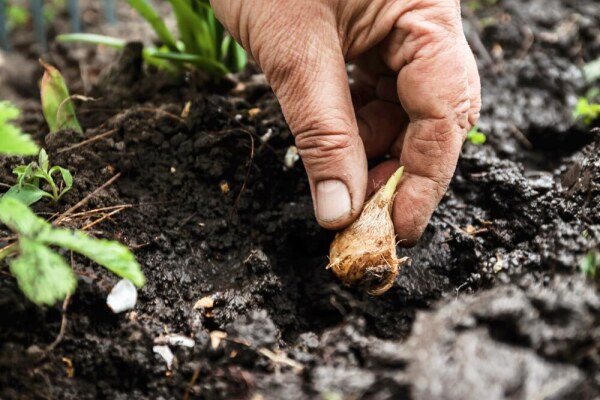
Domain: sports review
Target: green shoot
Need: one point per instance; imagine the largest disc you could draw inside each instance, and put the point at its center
(57, 104)
(17, 16)
(586, 111)
(476, 137)
(30, 178)
(13, 142)
(589, 265)
(203, 42)
(42, 274)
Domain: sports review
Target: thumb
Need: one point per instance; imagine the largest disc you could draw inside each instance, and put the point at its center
(311, 85)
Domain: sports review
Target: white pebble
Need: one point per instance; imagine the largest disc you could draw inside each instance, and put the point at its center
(122, 297)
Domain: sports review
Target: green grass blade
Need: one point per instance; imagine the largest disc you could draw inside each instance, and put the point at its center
(205, 63)
(144, 8)
(194, 30)
(92, 38)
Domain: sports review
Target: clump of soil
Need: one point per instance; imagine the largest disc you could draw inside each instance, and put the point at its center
(492, 304)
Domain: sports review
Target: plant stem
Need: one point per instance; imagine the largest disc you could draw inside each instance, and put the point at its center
(392, 183)
(8, 250)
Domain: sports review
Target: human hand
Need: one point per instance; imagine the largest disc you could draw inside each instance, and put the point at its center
(415, 94)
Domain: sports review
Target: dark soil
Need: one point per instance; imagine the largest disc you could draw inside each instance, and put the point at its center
(501, 313)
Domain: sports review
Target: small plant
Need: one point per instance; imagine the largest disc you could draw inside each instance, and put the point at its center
(589, 265)
(17, 16)
(57, 103)
(365, 252)
(586, 111)
(31, 177)
(203, 42)
(42, 274)
(13, 142)
(476, 137)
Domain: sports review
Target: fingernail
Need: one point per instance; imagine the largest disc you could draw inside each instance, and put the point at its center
(333, 200)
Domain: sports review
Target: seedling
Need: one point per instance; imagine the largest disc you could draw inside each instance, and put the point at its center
(42, 274)
(365, 252)
(476, 137)
(31, 177)
(589, 265)
(17, 16)
(13, 142)
(203, 42)
(586, 111)
(57, 103)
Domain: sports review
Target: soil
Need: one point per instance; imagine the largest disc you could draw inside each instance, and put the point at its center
(492, 305)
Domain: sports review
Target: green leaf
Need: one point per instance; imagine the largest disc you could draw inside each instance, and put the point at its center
(67, 179)
(42, 275)
(586, 111)
(57, 105)
(110, 254)
(476, 137)
(589, 264)
(27, 194)
(154, 19)
(43, 161)
(13, 141)
(20, 219)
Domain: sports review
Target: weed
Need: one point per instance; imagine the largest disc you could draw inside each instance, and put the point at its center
(586, 111)
(31, 177)
(57, 104)
(589, 265)
(476, 137)
(203, 42)
(42, 274)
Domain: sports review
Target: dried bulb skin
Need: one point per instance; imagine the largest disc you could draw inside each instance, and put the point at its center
(365, 252)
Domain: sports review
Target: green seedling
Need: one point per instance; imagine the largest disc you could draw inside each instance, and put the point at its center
(13, 142)
(42, 274)
(203, 42)
(17, 16)
(586, 111)
(476, 137)
(57, 103)
(32, 177)
(589, 265)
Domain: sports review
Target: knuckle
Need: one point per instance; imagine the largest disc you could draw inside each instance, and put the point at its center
(319, 146)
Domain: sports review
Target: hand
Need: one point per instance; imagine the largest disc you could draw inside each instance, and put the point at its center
(415, 94)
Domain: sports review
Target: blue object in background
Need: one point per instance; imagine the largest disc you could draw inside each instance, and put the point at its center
(109, 12)
(37, 13)
(4, 42)
(74, 15)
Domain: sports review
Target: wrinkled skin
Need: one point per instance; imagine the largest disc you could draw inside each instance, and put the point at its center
(415, 94)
